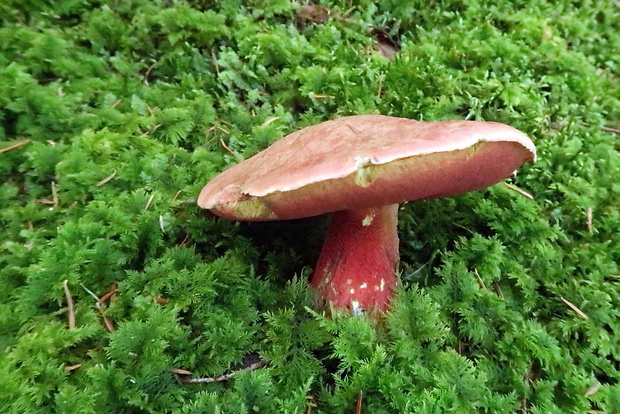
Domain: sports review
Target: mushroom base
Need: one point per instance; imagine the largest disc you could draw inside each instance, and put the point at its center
(357, 266)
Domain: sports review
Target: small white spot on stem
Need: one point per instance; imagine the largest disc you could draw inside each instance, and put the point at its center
(355, 308)
(368, 220)
(382, 286)
(363, 285)
(351, 291)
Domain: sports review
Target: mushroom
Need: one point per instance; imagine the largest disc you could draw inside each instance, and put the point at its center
(359, 168)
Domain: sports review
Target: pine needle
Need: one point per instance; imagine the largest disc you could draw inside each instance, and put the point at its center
(110, 294)
(498, 290)
(480, 281)
(176, 195)
(225, 377)
(65, 286)
(54, 195)
(270, 120)
(14, 145)
(519, 190)
(216, 66)
(227, 148)
(148, 203)
(107, 179)
(589, 220)
(107, 322)
(593, 389)
(575, 308)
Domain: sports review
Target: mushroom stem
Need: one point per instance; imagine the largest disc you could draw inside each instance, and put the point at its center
(357, 266)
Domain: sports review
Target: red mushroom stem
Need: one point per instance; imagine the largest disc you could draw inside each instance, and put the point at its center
(357, 266)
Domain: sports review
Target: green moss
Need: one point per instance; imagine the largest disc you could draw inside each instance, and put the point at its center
(123, 110)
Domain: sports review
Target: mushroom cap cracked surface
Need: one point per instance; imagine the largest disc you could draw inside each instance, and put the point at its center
(363, 161)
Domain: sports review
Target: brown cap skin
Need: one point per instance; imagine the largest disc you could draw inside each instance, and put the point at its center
(364, 161)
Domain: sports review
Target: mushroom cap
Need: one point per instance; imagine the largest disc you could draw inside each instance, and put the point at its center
(364, 161)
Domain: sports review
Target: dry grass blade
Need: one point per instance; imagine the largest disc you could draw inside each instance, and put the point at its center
(480, 281)
(270, 120)
(106, 321)
(14, 145)
(148, 203)
(593, 389)
(110, 294)
(176, 195)
(227, 148)
(107, 179)
(55, 202)
(65, 286)
(216, 66)
(589, 220)
(519, 190)
(574, 308)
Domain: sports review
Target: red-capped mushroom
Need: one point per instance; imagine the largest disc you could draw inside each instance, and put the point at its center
(360, 168)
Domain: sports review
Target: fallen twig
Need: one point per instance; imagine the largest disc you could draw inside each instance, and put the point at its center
(604, 128)
(358, 404)
(225, 377)
(610, 129)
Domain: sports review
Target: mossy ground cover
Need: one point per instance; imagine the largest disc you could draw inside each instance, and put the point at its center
(113, 114)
